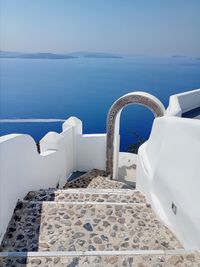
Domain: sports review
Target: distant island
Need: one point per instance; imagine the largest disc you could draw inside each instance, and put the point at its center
(7, 54)
(95, 55)
(178, 56)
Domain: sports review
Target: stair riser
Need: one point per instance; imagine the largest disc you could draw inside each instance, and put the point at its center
(151, 260)
(123, 204)
(60, 196)
(140, 252)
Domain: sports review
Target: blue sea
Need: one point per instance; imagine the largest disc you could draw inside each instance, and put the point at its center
(86, 88)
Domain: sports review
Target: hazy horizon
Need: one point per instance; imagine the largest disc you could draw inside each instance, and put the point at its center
(130, 27)
(111, 53)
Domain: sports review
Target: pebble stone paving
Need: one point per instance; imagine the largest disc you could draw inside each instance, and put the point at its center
(101, 182)
(58, 225)
(188, 260)
(95, 179)
(131, 196)
(84, 227)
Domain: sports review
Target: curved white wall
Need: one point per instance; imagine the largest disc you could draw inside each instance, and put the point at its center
(169, 171)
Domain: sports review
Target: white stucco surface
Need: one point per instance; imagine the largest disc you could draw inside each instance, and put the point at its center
(168, 172)
(91, 152)
(127, 166)
(24, 169)
(183, 102)
(168, 165)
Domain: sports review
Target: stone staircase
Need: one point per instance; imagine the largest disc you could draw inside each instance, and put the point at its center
(93, 221)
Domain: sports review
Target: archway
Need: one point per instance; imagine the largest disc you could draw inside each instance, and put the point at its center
(113, 119)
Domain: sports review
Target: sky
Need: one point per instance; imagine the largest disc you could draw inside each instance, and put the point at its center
(150, 27)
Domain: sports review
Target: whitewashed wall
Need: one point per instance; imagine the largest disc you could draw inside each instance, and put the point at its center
(183, 102)
(24, 169)
(91, 152)
(169, 171)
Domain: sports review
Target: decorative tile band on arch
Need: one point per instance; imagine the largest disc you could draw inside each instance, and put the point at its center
(113, 119)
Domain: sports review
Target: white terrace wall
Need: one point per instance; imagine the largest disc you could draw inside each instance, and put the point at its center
(183, 102)
(168, 172)
(90, 152)
(24, 169)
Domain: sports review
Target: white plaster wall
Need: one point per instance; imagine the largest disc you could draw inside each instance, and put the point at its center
(91, 152)
(183, 102)
(169, 171)
(24, 169)
(127, 166)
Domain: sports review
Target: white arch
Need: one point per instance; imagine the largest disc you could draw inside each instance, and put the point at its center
(113, 121)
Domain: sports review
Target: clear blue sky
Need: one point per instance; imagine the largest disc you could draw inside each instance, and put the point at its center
(158, 27)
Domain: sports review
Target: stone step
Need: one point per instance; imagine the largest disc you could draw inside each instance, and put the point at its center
(84, 180)
(105, 182)
(156, 258)
(55, 226)
(95, 179)
(86, 195)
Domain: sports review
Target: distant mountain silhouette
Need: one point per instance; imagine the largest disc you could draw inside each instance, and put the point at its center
(178, 56)
(7, 54)
(95, 55)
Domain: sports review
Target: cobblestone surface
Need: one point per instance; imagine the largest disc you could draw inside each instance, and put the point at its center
(188, 260)
(103, 182)
(59, 226)
(84, 180)
(95, 179)
(132, 196)
(69, 227)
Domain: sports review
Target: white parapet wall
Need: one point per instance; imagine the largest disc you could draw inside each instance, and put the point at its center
(91, 152)
(168, 173)
(183, 102)
(23, 169)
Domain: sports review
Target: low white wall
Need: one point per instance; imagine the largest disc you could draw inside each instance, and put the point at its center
(24, 169)
(183, 102)
(91, 152)
(127, 166)
(169, 171)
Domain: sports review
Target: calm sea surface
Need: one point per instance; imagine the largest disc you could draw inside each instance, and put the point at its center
(86, 88)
